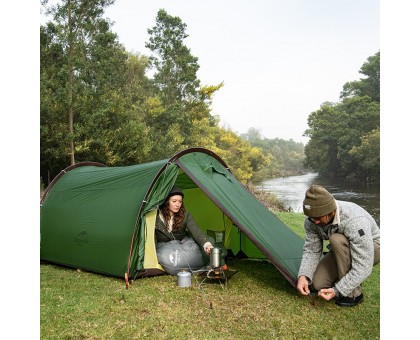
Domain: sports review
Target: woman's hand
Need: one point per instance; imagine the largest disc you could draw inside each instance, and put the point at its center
(208, 247)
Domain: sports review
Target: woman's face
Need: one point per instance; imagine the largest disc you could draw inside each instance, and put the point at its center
(175, 203)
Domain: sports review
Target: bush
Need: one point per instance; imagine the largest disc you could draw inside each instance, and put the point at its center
(269, 200)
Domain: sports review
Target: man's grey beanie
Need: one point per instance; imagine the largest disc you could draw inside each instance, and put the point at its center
(318, 202)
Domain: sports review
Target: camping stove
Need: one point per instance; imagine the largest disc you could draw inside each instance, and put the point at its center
(217, 270)
(216, 273)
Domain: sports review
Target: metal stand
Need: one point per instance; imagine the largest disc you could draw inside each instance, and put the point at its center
(218, 275)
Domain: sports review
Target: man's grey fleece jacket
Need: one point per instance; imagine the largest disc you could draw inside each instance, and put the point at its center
(360, 228)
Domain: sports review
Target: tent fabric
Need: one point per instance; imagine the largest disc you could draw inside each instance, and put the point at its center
(150, 257)
(101, 218)
(89, 216)
(281, 245)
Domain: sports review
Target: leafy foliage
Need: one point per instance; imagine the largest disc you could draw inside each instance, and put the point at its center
(344, 137)
(81, 64)
(98, 104)
(176, 68)
(283, 158)
(369, 86)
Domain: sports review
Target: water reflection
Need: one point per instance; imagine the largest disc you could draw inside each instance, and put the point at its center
(291, 191)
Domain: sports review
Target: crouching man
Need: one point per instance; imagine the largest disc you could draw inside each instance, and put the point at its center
(354, 242)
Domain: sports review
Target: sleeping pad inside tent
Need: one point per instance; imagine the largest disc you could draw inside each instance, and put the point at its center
(101, 219)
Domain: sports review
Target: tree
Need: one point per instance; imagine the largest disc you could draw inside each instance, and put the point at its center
(369, 86)
(87, 75)
(368, 155)
(79, 29)
(342, 134)
(326, 127)
(54, 130)
(242, 158)
(97, 103)
(180, 112)
(176, 68)
(284, 157)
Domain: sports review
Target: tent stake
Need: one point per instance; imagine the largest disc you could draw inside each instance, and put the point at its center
(126, 281)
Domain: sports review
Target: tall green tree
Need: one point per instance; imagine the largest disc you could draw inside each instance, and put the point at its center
(344, 133)
(176, 68)
(83, 69)
(54, 130)
(327, 126)
(98, 104)
(181, 110)
(83, 37)
(179, 116)
(369, 85)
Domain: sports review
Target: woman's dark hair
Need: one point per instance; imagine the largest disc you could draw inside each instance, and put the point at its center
(178, 217)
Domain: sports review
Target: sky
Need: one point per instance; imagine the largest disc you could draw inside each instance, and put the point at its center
(278, 60)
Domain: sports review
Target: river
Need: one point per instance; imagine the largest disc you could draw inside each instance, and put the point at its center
(291, 191)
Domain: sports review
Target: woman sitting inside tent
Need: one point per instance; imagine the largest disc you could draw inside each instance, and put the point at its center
(178, 238)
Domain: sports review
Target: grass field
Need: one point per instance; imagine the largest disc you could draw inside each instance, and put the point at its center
(257, 303)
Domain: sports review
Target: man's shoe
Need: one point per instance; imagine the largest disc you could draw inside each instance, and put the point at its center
(346, 301)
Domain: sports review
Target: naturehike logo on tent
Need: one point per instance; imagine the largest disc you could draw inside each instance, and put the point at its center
(81, 237)
(174, 257)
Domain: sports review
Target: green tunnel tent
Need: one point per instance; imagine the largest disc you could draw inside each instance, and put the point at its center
(101, 219)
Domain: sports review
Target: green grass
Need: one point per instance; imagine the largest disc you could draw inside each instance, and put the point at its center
(257, 303)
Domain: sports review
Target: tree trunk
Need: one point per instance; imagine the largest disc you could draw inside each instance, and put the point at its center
(70, 86)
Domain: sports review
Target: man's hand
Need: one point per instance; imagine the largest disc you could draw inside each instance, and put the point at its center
(327, 293)
(302, 285)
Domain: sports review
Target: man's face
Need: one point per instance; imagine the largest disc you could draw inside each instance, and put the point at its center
(322, 220)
